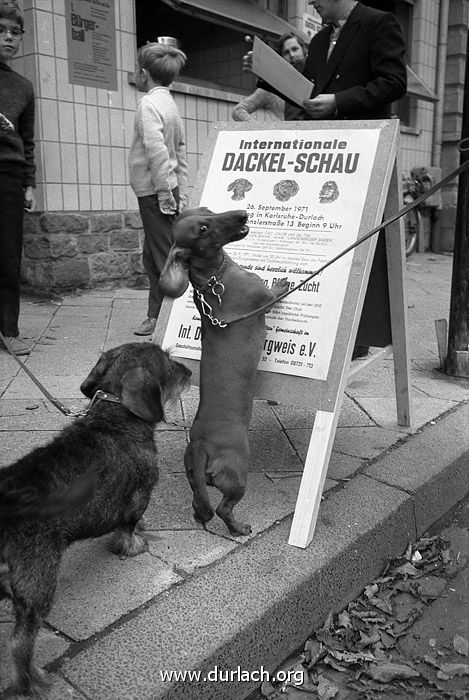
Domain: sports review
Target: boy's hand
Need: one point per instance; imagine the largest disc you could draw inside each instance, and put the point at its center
(183, 202)
(29, 199)
(167, 204)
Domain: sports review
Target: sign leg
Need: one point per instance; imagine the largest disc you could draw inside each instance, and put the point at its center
(395, 250)
(314, 476)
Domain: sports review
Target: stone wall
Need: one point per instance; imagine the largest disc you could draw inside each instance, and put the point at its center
(64, 251)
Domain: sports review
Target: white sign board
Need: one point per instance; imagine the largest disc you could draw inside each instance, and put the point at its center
(311, 190)
(304, 193)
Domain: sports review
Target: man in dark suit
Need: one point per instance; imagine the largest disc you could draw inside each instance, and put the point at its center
(356, 62)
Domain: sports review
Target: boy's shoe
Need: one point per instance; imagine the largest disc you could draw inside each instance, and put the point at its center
(17, 345)
(146, 328)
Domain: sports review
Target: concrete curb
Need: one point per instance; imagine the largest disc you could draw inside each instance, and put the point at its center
(260, 603)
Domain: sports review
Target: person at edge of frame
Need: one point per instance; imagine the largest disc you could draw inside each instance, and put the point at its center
(157, 163)
(356, 64)
(293, 49)
(17, 174)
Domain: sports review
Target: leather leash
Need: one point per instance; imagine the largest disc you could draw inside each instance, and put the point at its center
(463, 147)
(100, 395)
(66, 411)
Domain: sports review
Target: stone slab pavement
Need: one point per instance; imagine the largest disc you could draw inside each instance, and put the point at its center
(203, 601)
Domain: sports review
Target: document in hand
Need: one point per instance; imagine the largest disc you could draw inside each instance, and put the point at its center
(276, 71)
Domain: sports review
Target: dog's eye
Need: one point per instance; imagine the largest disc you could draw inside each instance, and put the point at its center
(203, 229)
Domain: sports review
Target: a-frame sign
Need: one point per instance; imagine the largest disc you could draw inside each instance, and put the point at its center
(310, 189)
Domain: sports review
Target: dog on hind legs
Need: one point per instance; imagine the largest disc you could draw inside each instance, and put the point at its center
(95, 477)
(218, 451)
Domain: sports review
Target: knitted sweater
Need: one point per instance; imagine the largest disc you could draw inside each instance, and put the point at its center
(260, 99)
(157, 158)
(17, 104)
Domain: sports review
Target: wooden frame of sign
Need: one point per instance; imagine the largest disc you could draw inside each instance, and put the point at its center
(372, 195)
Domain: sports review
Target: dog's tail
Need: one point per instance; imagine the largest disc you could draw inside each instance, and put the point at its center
(29, 503)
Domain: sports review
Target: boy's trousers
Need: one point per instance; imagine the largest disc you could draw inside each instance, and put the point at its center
(158, 229)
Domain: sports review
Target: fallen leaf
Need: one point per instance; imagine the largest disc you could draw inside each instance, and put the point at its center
(312, 652)
(450, 670)
(387, 640)
(446, 556)
(389, 672)
(371, 591)
(344, 619)
(330, 661)
(381, 605)
(350, 658)
(461, 645)
(267, 689)
(326, 689)
(407, 570)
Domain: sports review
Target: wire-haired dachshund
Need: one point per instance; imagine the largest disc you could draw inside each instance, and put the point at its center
(94, 478)
(218, 452)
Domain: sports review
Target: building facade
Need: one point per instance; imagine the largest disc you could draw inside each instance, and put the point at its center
(80, 56)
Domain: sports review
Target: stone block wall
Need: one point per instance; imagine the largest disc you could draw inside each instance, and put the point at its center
(64, 251)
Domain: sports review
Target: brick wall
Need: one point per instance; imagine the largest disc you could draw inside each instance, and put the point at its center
(66, 250)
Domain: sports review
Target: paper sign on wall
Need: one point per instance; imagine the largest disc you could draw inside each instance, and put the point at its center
(91, 43)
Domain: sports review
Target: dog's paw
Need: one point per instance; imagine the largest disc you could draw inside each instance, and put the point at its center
(234, 526)
(125, 544)
(281, 286)
(202, 514)
(237, 529)
(35, 684)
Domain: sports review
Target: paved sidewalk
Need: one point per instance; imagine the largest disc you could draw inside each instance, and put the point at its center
(204, 600)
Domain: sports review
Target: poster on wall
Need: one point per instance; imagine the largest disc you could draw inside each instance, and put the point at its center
(304, 192)
(91, 43)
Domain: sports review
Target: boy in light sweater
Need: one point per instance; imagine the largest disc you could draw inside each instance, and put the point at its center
(157, 163)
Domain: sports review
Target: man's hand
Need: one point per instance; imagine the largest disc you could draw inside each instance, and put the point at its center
(321, 107)
(29, 199)
(246, 62)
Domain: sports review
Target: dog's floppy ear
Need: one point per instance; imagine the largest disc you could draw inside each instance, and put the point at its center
(230, 186)
(174, 278)
(141, 394)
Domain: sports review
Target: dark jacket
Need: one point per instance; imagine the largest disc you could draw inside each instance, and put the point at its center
(17, 104)
(366, 70)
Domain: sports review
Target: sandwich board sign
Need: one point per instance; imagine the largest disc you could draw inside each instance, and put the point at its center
(310, 189)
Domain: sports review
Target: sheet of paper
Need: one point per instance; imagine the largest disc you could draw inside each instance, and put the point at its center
(276, 71)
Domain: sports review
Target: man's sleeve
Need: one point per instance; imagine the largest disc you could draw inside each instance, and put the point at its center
(388, 69)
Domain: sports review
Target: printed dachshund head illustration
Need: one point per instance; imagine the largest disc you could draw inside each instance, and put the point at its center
(239, 187)
(329, 192)
(285, 189)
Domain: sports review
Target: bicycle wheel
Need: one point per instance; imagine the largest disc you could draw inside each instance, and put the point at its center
(412, 223)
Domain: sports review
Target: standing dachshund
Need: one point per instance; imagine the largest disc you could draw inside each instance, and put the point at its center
(103, 466)
(218, 452)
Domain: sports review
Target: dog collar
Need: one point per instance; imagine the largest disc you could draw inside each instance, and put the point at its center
(101, 395)
(214, 282)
